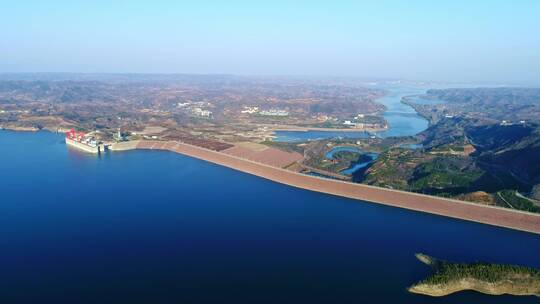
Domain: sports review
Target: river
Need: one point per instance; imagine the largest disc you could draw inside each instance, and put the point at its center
(402, 119)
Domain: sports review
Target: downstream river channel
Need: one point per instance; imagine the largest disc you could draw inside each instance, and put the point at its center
(402, 119)
(157, 227)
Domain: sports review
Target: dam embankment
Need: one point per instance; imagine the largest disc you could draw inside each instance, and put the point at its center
(496, 216)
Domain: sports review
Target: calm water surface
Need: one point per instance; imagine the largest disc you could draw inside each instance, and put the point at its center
(402, 119)
(298, 136)
(355, 166)
(156, 227)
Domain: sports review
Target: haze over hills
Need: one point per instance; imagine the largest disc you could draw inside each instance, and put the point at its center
(482, 41)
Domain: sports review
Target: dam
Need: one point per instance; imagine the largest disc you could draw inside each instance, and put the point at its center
(490, 215)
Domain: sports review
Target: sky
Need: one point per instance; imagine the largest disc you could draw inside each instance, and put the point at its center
(467, 41)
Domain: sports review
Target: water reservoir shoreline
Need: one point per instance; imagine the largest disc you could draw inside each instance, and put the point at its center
(490, 215)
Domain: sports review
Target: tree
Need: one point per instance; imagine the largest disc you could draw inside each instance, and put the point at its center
(535, 193)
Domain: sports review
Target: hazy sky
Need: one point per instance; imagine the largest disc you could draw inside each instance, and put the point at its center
(497, 41)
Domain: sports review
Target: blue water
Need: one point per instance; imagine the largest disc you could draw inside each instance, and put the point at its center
(357, 166)
(298, 136)
(402, 119)
(330, 154)
(157, 227)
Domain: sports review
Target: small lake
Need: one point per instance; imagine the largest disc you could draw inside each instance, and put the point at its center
(356, 166)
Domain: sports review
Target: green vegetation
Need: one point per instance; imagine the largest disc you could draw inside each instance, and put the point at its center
(535, 192)
(347, 159)
(393, 169)
(444, 173)
(448, 148)
(510, 197)
(341, 160)
(346, 156)
(448, 272)
(496, 279)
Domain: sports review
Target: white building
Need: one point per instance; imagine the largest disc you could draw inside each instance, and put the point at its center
(274, 112)
(202, 113)
(250, 110)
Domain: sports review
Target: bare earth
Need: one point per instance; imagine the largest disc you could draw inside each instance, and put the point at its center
(499, 288)
(486, 278)
(263, 154)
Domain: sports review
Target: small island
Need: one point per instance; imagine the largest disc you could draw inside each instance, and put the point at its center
(493, 279)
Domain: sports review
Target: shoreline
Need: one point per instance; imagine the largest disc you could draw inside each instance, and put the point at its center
(490, 215)
(493, 279)
(276, 127)
(439, 291)
(33, 129)
(22, 129)
(307, 129)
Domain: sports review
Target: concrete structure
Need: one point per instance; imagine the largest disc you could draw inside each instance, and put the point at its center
(250, 110)
(82, 146)
(274, 112)
(124, 146)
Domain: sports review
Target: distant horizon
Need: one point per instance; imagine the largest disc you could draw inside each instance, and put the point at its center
(285, 76)
(457, 41)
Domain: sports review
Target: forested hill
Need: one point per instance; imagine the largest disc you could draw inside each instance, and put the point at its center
(482, 145)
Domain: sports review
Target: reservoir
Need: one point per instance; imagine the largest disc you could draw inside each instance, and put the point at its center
(158, 227)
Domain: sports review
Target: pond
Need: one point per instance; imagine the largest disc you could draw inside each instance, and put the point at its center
(365, 159)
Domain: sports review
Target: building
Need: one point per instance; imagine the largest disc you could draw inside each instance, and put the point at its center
(118, 136)
(274, 112)
(201, 113)
(250, 110)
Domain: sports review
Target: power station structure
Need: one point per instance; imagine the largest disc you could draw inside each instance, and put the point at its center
(83, 142)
